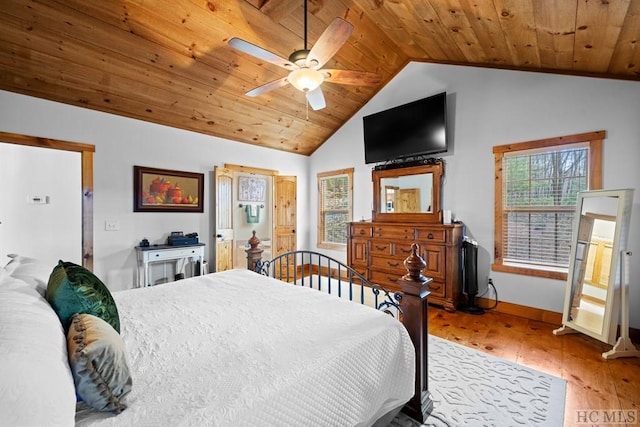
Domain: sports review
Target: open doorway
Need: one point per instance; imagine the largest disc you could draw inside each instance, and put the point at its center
(248, 200)
(51, 191)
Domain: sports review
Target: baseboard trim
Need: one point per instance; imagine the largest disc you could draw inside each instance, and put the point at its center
(538, 314)
(530, 313)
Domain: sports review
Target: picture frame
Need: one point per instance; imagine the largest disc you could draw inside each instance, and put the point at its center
(251, 189)
(164, 190)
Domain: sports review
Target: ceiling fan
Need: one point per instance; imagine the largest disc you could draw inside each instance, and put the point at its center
(305, 66)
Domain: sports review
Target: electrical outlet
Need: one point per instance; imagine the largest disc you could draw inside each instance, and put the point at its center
(111, 225)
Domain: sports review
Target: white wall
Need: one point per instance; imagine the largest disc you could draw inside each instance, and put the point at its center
(53, 176)
(495, 107)
(122, 143)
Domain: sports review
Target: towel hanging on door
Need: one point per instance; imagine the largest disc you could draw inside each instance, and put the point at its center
(253, 213)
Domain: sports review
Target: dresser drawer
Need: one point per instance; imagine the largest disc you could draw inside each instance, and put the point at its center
(381, 248)
(436, 288)
(171, 254)
(389, 281)
(391, 264)
(431, 235)
(394, 232)
(361, 230)
(402, 249)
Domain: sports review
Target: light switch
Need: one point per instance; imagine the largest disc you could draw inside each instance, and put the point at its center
(111, 225)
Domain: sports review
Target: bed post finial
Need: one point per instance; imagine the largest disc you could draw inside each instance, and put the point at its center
(254, 241)
(254, 254)
(414, 308)
(414, 264)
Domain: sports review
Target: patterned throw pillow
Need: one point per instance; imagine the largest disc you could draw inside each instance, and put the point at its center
(98, 363)
(73, 289)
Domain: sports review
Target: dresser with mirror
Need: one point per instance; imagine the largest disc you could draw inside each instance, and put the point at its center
(407, 209)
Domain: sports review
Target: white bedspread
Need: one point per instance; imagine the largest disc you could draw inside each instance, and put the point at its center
(239, 349)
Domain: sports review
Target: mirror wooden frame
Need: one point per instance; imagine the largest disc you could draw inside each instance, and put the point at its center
(435, 216)
(612, 304)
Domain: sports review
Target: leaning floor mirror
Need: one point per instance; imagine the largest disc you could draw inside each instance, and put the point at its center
(597, 280)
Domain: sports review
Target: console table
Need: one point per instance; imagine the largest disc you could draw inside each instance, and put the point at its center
(148, 255)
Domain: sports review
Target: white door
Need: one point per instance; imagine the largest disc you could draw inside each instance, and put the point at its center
(224, 235)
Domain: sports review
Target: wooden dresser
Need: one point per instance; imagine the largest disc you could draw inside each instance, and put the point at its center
(378, 250)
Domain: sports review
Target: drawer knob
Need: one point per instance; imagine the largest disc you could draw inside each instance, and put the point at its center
(381, 248)
(392, 279)
(430, 236)
(361, 232)
(405, 251)
(434, 287)
(393, 264)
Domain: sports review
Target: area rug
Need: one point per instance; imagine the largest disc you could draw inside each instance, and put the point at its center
(471, 388)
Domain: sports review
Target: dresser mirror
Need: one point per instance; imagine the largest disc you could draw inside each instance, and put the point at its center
(410, 194)
(600, 230)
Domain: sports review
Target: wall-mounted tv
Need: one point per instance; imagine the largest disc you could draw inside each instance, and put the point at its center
(418, 128)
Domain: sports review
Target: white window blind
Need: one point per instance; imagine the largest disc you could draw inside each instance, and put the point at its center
(539, 195)
(335, 208)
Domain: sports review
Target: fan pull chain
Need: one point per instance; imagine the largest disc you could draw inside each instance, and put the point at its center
(307, 99)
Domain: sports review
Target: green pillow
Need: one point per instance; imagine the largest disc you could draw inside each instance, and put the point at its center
(98, 363)
(73, 289)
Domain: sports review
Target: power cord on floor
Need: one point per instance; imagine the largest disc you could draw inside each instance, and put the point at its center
(495, 292)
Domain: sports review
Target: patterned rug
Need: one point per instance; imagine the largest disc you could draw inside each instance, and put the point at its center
(471, 388)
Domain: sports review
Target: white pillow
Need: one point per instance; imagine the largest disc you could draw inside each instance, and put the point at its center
(37, 386)
(32, 271)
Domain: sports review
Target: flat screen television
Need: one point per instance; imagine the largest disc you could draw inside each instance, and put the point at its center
(418, 128)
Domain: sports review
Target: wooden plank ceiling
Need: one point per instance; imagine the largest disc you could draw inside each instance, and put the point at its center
(168, 61)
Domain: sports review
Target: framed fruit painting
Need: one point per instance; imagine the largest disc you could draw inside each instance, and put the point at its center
(163, 190)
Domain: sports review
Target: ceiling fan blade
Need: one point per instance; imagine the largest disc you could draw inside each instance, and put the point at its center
(336, 34)
(351, 77)
(260, 53)
(316, 99)
(268, 87)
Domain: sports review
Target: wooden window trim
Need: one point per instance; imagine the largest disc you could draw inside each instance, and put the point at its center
(595, 143)
(320, 175)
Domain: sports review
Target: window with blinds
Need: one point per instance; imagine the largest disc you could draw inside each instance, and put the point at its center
(539, 197)
(335, 207)
(536, 191)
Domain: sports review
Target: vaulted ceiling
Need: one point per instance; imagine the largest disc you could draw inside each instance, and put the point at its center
(169, 62)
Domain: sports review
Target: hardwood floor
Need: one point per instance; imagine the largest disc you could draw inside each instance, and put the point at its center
(594, 384)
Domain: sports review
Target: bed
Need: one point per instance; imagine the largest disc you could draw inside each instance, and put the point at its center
(228, 348)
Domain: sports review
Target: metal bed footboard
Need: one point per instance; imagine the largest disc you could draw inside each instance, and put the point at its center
(319, 271)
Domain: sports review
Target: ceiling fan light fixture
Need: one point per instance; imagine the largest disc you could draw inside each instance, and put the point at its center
(305, 79)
